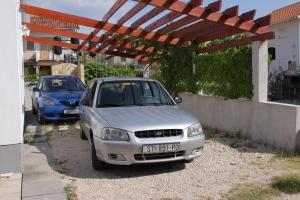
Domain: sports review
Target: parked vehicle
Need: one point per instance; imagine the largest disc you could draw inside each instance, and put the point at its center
(57, 98)
(135, 120)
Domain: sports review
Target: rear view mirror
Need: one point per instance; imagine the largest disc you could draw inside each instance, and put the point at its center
(178, 99)
(35, 89)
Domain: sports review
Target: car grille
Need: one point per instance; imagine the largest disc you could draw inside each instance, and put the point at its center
(158, 133)
(158, 156)
(72, 104)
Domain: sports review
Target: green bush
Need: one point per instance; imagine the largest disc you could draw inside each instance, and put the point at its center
(93, 70)
(31, 79)
(226, 73)
(288, 183)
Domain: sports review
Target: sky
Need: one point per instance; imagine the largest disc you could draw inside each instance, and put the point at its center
(95, 9)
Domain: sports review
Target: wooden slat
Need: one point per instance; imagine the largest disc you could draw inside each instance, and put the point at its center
(65, 33)
(162, 21)
(201, 13)
(154, 12)
(212, 7)
(240, 42)
(203, 25)
(113, 10)
(198, 36)
(137, 8)
(122, 30)
(73, 46)
(105, 18)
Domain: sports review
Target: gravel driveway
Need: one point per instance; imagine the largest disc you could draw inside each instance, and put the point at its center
(219, 169)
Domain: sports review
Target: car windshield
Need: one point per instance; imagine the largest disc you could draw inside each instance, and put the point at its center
(132, 93)
(62, 84)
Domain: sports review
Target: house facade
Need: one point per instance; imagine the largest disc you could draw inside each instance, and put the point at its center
(284, 50)
(39, 58)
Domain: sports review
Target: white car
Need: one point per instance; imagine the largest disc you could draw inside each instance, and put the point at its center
(135, 120)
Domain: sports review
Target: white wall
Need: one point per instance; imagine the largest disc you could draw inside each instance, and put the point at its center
(287, 48)
(273, 123)
(11, 72)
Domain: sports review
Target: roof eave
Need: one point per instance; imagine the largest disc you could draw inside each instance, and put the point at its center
(287, 20)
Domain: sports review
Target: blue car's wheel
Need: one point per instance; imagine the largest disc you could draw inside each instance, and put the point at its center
(34, 110)
(40, 117)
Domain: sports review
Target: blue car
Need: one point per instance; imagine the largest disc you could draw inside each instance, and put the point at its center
(56, 98)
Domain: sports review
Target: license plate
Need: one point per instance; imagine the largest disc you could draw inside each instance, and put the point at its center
(161, 148)
(76, 111)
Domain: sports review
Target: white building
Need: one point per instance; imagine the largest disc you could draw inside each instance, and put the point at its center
(285, 47)
(11, 87)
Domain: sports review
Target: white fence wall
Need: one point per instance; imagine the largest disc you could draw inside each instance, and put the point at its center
(273, 123)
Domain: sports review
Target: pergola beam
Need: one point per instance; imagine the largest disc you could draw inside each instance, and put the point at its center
(122, 30)
(212, 7)
(137, 8)
(201, 13)
(240, 42)
(75, 46)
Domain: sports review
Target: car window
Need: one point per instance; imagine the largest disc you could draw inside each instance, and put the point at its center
(132, 93)
(91, 94)
(58, 84)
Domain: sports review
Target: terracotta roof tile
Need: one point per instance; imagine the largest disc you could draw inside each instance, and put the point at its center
(285, 13)
(52, 23)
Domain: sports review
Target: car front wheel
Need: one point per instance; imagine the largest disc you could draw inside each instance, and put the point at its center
(96, 163)
(40, 117)
(82, 135)
(33, 110)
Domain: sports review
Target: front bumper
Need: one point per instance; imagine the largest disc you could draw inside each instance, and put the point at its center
(130, 152)
(56, 113)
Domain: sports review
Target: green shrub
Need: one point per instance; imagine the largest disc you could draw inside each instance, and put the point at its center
(93, 70)
(288, 183)
(31, 79)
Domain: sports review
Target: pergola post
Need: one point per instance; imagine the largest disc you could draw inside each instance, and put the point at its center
(260, 71)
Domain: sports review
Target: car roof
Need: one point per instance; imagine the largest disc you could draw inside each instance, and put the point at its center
(123, 78)
(59, 76)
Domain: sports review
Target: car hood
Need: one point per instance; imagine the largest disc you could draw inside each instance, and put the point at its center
(66, 95)
(147, 117)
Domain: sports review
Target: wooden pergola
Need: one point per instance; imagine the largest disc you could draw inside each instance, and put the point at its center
(185, 24)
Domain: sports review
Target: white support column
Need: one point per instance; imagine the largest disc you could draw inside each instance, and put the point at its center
(260, 71)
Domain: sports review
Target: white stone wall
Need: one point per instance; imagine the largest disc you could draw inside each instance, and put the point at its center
(272, 123)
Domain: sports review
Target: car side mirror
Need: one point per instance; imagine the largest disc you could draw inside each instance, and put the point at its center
(35, 89)
(178, 99)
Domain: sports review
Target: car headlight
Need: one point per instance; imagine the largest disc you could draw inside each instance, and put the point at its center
(194, 130)
(114, 134)
(48, 102)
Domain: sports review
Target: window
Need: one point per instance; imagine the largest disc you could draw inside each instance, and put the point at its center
(123, 59)
(283, 33)
(132, 93)
(272, 53)
(92, 93)
(30, 46)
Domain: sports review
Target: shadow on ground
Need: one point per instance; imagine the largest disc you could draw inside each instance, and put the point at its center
(236, 140)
